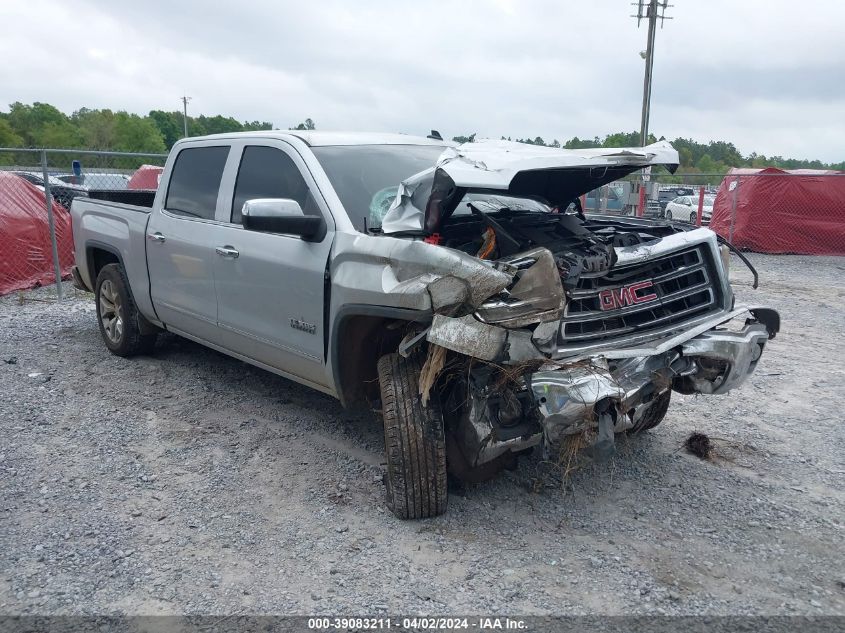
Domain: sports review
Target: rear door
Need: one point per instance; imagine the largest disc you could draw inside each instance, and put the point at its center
(180, 235)
(270, 287)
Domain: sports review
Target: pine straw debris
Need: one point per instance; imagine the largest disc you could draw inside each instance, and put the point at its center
(719, 449)
(569, 457)
(699, 445)
(434, 362)
(557, 471)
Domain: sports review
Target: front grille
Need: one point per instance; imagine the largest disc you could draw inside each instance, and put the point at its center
(684, 282)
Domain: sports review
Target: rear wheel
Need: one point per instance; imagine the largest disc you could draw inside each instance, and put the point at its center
(118, 317)
(414, 441)
(654, 414)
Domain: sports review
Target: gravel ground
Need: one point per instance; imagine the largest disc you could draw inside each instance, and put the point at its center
(189, 482)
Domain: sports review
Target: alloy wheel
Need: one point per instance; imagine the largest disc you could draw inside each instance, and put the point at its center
(111, 312)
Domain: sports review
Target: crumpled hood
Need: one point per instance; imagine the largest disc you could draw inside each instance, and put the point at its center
(424, 201)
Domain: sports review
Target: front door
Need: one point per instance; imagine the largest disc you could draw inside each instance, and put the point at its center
(270, 287)
(180, 257)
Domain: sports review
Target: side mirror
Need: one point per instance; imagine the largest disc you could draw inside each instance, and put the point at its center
(281, 215)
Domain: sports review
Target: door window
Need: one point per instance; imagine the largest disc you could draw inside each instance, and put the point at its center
(267, 172)
(195, 181)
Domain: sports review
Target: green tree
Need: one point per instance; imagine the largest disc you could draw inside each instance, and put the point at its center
(466, 139)
(97, 128)
(254, 126)
(307, 125)
(707, 165)
(135, 134)
(625, 139)
(8, 137)
(169, 125)
(577, 143)
(42, 125)
(219, 124)
(58, 135)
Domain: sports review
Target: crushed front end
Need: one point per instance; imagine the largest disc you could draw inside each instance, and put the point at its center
(592, 346)
(548, 323)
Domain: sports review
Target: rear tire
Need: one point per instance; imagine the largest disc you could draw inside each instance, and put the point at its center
(414, 441)
(117, 315)
(654, 414)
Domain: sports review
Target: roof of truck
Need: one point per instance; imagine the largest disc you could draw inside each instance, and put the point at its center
(316, 139)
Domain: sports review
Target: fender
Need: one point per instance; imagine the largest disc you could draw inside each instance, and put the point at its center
(362, 310)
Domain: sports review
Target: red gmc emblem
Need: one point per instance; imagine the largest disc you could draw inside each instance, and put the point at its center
(615, 298)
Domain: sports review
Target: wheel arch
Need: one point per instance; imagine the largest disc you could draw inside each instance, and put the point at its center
(360, 335)
(99, 254)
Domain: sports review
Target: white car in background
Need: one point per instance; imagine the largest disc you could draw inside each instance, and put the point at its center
(685, 209)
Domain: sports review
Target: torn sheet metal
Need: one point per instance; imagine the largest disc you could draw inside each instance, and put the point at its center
(739, 351)
(424, 200)
(448, 276)
(468, 336)
(410, 274)
(536, 296)
(566, 397)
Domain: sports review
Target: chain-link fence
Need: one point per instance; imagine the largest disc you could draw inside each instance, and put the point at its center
(37, 187)
(760, 210)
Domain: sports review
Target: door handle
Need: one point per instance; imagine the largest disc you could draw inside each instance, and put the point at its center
(227, 251)
(156, 237)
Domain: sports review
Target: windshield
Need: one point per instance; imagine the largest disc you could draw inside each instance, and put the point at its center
(366, 177)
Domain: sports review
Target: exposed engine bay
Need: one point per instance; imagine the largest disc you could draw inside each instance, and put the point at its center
(503, 388)
(578, 245)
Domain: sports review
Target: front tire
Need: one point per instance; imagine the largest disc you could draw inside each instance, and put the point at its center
(117, 315)
(414, 441)
(669, 215)
(654, 414)
(693, 217)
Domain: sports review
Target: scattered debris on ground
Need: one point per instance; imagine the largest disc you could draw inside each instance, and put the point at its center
(699, 445)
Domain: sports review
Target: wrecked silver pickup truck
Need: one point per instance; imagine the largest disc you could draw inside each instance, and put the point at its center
(453, 288)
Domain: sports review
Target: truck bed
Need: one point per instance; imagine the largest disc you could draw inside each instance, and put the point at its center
(113, 230)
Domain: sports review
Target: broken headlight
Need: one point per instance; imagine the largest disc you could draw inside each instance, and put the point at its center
(535, 295)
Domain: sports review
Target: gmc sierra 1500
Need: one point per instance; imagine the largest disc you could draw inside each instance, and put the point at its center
(447, 286)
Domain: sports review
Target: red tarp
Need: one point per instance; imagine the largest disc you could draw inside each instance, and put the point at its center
(26, 257)
(802, 213)
(145, 177)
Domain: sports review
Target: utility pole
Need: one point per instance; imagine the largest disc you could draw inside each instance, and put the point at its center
(652, 10)
(185, 100)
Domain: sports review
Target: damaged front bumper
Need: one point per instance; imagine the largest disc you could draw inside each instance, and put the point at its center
(571, 399)
(617, 389)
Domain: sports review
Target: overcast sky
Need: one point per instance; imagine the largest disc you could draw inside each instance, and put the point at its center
(768, 75)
